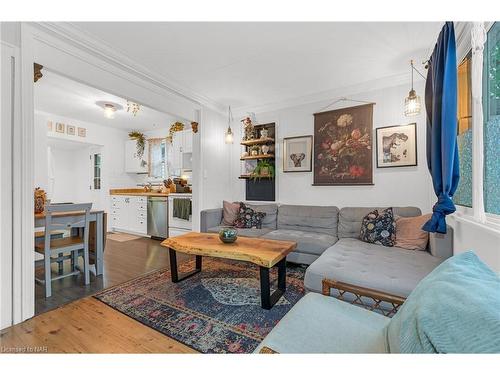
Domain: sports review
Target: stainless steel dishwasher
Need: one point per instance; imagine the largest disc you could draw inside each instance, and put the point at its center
(158, 217)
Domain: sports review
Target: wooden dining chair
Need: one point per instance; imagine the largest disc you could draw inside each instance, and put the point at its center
(65, 217)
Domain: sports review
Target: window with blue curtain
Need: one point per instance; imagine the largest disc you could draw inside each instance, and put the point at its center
(463, 195)
(491, 108)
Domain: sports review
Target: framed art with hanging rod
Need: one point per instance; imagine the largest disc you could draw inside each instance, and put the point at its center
(343, 145)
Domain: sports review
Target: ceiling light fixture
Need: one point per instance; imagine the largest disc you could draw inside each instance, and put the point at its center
(109, 108)
(412, 101)
(109, 111)
(229, 133)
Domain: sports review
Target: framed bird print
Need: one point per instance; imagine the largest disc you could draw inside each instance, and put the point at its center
(297, 154)
(397, 146)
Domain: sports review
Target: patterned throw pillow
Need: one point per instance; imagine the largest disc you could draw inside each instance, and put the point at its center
(248, 218)
(379, 228)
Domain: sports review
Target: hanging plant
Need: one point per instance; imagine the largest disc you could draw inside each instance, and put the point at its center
(140, 142)
(175, 127)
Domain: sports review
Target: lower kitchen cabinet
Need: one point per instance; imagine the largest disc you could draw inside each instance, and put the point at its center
(129, 214)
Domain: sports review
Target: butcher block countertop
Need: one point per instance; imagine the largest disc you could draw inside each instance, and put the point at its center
(138, 192)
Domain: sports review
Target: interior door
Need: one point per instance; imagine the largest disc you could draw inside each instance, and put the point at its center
(7, 120)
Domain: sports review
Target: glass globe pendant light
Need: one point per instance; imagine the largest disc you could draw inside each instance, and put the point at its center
(229, 133)
(412, 101)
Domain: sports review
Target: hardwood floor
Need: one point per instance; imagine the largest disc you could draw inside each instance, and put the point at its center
(123, 261)
(86, 325)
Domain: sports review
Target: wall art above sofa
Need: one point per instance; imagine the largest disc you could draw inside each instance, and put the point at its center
(343, 146)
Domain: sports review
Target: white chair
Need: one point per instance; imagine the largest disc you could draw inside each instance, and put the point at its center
(65, 217)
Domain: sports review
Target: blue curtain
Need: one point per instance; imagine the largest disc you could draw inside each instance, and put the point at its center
(441, 107)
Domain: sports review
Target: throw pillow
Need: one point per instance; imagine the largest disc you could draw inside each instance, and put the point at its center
(248, 218)
(379, 228)
(230, 212)
(409, 233)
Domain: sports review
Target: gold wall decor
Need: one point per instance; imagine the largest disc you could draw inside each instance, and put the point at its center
(38, 72)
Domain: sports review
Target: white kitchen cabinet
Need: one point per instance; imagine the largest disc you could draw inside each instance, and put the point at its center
(176, 164)
(133, 163)
(182, 148)
(129, 214)
(187, 140)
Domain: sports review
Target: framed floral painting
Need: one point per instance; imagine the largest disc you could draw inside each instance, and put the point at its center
(343, 146)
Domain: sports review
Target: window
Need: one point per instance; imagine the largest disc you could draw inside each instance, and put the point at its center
(97, 171)
(158, 158)
(491, 109)
(463, 195)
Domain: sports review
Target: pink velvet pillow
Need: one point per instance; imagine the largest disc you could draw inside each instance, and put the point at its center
(409, 233)
(230, 212)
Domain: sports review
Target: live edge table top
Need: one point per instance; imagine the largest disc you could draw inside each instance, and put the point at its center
(260, 251)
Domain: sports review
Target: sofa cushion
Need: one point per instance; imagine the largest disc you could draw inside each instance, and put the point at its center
(307, 242)
(245, 232)
(230, 212)
(248, 218)
(379, 227)
(388, 269)
(350, 218)
(409, 232)
(320, 324)
(271, 211)
(455, 309)
(319, 219)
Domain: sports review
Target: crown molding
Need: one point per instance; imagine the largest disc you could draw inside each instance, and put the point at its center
(79, 38)
(367, 86)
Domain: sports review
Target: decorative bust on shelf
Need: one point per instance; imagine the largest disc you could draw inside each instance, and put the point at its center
(264, 133)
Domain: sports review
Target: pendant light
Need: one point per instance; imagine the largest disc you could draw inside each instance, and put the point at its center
(412, 101)
(229, 133)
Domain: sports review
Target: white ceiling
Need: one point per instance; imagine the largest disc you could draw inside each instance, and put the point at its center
(251, 64)
(64, 97)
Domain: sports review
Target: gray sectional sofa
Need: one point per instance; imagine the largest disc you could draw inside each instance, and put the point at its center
(327, 241)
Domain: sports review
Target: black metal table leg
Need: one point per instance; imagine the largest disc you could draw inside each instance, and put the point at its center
(175, 272)
(268, 300)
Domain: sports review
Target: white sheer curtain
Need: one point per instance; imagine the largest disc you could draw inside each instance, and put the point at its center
(478, 38)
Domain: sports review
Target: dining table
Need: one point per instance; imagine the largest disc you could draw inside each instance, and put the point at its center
(97, 217)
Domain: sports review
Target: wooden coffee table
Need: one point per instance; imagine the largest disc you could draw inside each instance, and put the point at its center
(262, 252)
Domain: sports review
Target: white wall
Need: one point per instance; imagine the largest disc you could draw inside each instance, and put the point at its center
(406, 186)
(216, 161)
(484, 241)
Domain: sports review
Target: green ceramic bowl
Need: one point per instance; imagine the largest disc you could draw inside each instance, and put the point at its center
(228, 235)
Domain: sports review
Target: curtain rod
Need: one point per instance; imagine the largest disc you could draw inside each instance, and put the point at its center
(344, 99)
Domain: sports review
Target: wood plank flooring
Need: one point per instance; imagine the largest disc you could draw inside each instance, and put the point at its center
(123, 261)
(88, 325)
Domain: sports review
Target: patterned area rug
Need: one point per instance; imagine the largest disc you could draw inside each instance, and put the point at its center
(215, 311)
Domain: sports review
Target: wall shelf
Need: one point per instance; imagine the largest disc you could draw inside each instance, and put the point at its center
(259, 141)
(268, 156)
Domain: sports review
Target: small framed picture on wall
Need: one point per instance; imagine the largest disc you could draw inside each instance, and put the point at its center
(60, 127)
(82, 132)
(397, 146)
(70, 129)
(297, 154)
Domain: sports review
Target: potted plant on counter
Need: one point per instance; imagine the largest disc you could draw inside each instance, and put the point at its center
(263, 169)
